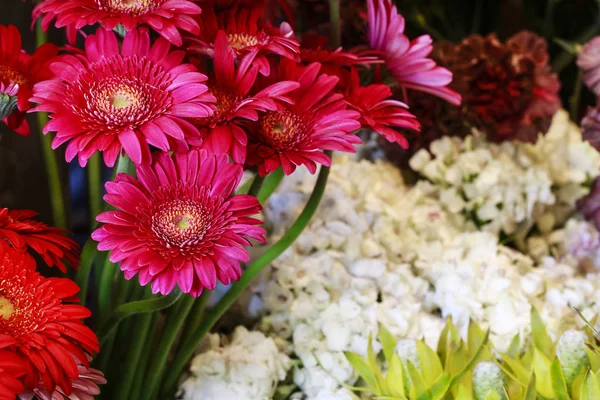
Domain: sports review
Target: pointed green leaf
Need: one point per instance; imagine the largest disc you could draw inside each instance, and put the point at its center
(540, 334)
(430, 363)
(590, 390)
(463, 394)
(440, 387)
(362, 368)
(541, 367)
(416, 379)
(443, 343)
(472, 361)
(374, 367)
(515, 346)
(388, 342)
(476, 336)
(530, 391)
(594, 358)
(559, 385)
(492, 396)
(395, 377)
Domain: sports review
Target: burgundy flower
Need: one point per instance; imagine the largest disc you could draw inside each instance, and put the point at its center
(589, 206)
(112, 98)
(590, 127)
(589, 61)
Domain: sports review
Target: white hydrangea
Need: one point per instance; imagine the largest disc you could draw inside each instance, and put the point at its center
(248, 368)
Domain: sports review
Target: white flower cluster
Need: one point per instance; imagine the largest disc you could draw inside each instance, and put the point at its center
(248, 368)
(502, 186)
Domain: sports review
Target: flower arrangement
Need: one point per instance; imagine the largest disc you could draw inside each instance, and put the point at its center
(233, 256)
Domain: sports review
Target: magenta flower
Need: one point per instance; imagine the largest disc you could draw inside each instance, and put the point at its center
(407, 60)
(179, 223)
(110, 98)
(589, 61)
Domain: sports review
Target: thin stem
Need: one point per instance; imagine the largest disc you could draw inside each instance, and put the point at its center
(57, 201)
(195, 318)
(576, 97)
(188, 348)
(335, 20)
(94, 170)
(136, 388)
(174, 323)
(270, 184)
(141, 332)
(256, 185)
(88, 254)
(136, 307)
(105, 288)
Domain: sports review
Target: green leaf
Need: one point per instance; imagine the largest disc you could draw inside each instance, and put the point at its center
(395, 377)
(430, 363)
(530, 391)
(362, 368)
(440, 387)
(541, 367)
(492, 396)
(417, 384)
(463, 394)
(388, 342)
(590, 390)
(515, 346)
(540, 334)
(569, 47)
(374, 367)
(594, 358)
(472, 361)
(476, 336)
(559, 385)
(443, 343)
(588, 324)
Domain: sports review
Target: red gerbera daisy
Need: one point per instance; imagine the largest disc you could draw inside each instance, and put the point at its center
(231, 87)
(247, 31)
(19, 71)
(48, 331)
(19, 231)
(407, 60)
(165, 16)
(132, 97)
(179, 223)
(295, 134)
(379, 112)
(12, 367)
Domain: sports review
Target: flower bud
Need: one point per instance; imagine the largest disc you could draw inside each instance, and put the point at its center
(488, 377)
(8, 104)
(572, 354)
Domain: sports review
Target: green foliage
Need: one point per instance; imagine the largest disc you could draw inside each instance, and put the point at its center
(535, 368)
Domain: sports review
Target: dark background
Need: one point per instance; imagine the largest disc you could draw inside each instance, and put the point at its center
(22, 176)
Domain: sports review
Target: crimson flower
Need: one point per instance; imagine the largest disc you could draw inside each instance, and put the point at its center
(12, 368)
(108, 98)
(247, 31)
(17, 230)
(231, 85)
(296, 134)
(379, 112)
(179, 222)
(38, 314)
(19, 71)
(407, 60)
(165, 16)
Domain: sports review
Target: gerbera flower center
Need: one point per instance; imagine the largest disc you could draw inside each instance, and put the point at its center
(6, 308)
(227, 101)
(132, 7)
(180, 223)
(281, 130)
(239, 41)
(11, 75)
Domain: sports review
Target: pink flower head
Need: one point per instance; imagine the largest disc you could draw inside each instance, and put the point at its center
(107, 99)
(296, 134)
(589, 61)
(247, 31)
(165, 16)
(407, 60)
(85, 387)
(231, 85)
(379, 112)
(179, 222)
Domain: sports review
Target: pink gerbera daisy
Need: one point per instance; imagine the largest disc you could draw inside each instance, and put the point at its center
(165, 16)
(247, 31)
(407, 60)
(296, 134)
(127, 97)
(379, 112)
(231, 86)
(179, 223)
(85, 387)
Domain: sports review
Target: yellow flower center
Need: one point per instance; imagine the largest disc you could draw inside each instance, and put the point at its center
(6, 308)
(239, 41)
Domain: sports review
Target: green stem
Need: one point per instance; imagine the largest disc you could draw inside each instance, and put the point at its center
(94, 170)
(136, 387)
(105, 356)
(195, 318)
(88, 254)
(136, 307)
(270, 184)
(140, 336)
(335, 20)
(188, 348)
(256, 185)
(576, 97)
(57, 201)
(105, 288)
(157, 367)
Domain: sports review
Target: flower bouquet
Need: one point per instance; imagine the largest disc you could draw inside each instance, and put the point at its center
(449, 249)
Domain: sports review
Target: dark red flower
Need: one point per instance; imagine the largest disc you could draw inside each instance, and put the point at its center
(231, 85)
(164, 16)
(126, 96)
(12, 367)
(19, 71)
(17, 230)
(296, 134)
(47, 328)
(247, 31)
